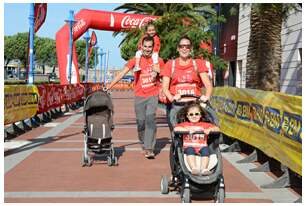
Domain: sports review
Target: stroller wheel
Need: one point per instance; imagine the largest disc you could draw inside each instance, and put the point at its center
(86, 161)
(115, 161)
(83, 163)
(164, 185)
(186, 196)
(89, 162)
(220, 195)
(109, 161)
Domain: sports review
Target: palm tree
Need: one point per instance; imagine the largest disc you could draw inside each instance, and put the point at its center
(264, 51)
(158, 9)
(170, 26)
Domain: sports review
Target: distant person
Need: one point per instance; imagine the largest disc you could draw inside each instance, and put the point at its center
(196, 144)
(150, 31)
(146, 89)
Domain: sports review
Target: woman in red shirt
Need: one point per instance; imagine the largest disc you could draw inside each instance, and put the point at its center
(196, 144)
(185, 76)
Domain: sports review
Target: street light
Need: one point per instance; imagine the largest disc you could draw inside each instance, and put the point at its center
(31, 22)
(101, 53)
(106, 68)
(95, 69)
(70, 21)
(86, 37)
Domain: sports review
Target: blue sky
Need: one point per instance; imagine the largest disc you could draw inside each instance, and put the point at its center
(16, 20)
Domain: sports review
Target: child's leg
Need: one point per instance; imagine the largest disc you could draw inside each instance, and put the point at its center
(204, 152)
(137, 56)
(204, 162)
(191, 159)
(155, 59)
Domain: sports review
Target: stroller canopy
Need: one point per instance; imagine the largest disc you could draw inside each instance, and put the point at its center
(98, 99)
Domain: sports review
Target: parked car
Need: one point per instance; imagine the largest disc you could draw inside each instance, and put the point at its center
(128, 78)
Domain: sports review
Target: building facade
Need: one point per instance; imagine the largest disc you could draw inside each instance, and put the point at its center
(291, 41)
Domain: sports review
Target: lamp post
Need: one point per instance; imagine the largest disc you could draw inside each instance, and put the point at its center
(106, 68)
(31, 22)
(95, 69)
(101, 55)
(86, 37)
(70, 21)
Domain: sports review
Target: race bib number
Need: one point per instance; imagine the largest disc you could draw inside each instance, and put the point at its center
(185, 89)
(197, 140)
(147, 80)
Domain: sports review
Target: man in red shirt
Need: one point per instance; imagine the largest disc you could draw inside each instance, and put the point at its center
(146, 90)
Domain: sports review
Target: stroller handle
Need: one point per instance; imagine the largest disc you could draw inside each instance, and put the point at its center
(192, 133)
(192, 96)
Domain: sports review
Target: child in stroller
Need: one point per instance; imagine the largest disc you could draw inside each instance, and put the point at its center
(194, 176)
(98, 113)
(196, 144)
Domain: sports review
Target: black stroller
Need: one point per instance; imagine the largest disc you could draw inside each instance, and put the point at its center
(195, 186)
(98, 113)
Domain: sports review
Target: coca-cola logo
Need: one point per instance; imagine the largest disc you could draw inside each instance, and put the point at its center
(78, 25)
(130, 22)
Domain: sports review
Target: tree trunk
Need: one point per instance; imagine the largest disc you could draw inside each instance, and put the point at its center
(264, 51)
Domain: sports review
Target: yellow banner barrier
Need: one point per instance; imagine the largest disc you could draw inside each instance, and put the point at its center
(269, 121)
(20, 102)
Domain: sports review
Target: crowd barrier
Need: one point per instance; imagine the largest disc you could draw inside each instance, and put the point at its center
(20, 102)
(37, 99)
(269, 121)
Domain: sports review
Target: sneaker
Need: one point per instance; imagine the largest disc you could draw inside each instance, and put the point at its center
(205, 172)
(149, 154)
(195, 171)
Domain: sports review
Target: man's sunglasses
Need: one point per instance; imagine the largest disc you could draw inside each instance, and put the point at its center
(186, 46)
(194, 114)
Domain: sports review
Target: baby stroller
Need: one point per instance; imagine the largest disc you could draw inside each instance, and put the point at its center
(98, 113)
(194, 186)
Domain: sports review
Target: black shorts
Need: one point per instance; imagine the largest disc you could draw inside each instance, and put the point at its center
(191, 151)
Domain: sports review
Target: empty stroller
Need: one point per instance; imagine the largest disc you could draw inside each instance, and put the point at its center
(195, 186)
(98, 112)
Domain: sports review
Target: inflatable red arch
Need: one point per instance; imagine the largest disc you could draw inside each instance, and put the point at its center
(94, 19)
(86, 19)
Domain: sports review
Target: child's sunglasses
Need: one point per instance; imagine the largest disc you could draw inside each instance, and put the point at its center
(194, 114)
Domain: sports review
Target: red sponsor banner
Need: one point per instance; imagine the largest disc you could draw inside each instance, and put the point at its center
(92, 43)
(40, 13)
(53, 95)
(85, 19)
(50, 96)
(72, 93)
(92, 87)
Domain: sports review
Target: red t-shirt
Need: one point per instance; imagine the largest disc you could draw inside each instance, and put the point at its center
(196, 141)
(185, 80)
(156, 47)
(144, 84)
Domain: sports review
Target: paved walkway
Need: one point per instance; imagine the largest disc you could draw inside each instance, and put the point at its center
(44, 165)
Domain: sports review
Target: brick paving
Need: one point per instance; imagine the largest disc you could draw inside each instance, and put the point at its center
(51, 171)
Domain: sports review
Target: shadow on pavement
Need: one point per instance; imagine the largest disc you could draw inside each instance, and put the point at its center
(160, 144)
(38, 142)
